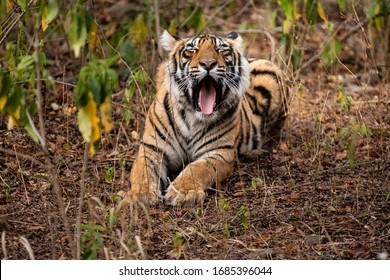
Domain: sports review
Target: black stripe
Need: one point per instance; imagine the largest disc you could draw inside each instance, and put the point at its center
(216, 137)
(182, 114)
(241, 134)
(152, 147)
(155, 127)
(255, 141)
(225, 147)
(216, 156)
(239, 64)
(229, 114)
(264, 92)
(168, 110)
(252, 101)
(188, 97)
(256, 72)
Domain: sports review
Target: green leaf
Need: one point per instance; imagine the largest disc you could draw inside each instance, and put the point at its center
(129, 92)
(52, 10)
(112, 218)
(342, 5)
(23, 4)
(31, 132)
(77, 31)
(223, 205)
(243, 213)
(128, 53)
(311, 11)
(139, 30)
(26, 64)
(331, 52)
(95, 86)
(16, 99)
(49, 12)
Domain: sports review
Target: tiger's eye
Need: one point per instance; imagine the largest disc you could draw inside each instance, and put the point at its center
(188, 53)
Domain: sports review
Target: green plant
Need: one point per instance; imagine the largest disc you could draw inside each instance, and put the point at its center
(80, 27)
(227, 230)
(350, 137)
(91, 240)
(255, 182)
(109, 173)
(344, 100)
(198, 213)
(178, 243)
(310, 12)
(223, 205)
(94, 86)
(244, 213)
(19, 93)
(136, 83)
(111, 217)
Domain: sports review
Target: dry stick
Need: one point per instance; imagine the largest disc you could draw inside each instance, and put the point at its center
(23, 182)
(57, 190)
(3, 245)
(81, 200)
(326, 233)
(39, 100)
(17, 154)
(158, 33)
(27, 245)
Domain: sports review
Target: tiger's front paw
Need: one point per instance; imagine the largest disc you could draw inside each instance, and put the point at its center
(178, 196)
(142, 196)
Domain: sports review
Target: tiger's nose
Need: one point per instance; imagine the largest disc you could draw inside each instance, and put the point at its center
(208, 64)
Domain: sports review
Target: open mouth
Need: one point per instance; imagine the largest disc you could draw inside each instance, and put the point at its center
(206, 95)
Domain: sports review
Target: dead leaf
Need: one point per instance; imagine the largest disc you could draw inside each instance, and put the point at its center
(341, 155)
(290, 248)
(299, 161)
(283, 147)
(295, 195)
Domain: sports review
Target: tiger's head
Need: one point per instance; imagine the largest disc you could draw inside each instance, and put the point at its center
(207, 73)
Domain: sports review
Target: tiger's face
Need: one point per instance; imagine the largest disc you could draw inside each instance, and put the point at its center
(206, 73)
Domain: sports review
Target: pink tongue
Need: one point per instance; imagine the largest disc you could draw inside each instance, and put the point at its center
(207, 96)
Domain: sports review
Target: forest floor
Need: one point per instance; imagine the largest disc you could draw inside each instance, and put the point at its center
(323, 192)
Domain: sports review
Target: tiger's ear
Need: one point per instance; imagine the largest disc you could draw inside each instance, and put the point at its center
(168, 41)
(236, 39)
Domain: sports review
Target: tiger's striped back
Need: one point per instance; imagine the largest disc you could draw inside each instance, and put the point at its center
(264, 107)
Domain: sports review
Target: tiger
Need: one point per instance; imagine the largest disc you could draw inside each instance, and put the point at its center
(212, 106)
